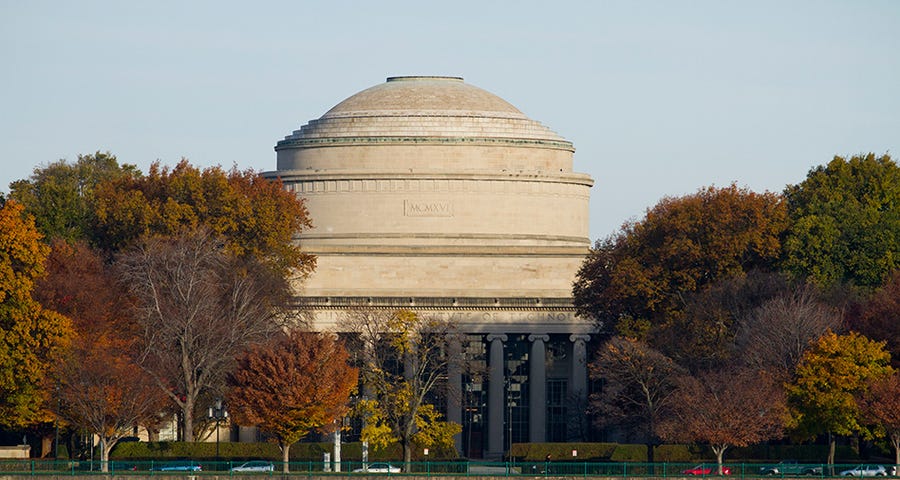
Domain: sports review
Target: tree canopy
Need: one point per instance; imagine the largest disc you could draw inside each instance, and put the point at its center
(297, 383)
(31, 337)
(682, 244)
(831, 376)
(845, 222)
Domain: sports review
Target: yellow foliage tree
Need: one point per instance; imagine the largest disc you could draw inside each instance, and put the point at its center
(30, 336)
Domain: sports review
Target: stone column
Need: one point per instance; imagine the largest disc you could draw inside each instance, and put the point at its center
(537, 389)
(496, 400)
(579, 367)
(454, 385)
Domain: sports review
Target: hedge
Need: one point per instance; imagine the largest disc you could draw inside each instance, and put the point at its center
(235, 451)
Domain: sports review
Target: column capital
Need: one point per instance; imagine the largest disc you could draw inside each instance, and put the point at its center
(543, 337)
(576, 337)
(496, 336)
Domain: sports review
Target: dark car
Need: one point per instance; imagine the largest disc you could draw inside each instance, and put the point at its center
(790, 467)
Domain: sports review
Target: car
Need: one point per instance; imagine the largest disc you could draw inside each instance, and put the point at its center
(378, 468)
(254, 466)
(865, 471)
(185, 466)
(704, 469)
(790, 467)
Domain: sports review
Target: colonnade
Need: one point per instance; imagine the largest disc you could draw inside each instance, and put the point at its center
(537, 391)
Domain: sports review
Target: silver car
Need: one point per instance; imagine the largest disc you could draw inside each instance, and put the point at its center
(254, 466)
(865, 471)
(378, 468)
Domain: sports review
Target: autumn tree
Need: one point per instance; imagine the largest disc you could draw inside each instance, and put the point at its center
(638, 387)
(197, 306)
(31, 337)
(845, 222)
(774, 336)
(403, 361)
(683, 243)
(881, 408)
(292, 385)
(253, 216)
(831, 376)
(879, 317)
(704, 334)
(727, 409)
(60, 195)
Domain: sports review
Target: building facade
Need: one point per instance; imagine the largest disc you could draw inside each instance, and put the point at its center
(430, 194)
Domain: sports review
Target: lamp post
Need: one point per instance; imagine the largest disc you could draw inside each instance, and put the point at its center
(218, 413)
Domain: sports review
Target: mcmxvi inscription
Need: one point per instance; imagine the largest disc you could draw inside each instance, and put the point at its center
(441, 208)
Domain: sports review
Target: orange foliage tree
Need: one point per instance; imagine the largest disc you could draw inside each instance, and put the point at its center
(101, 389)
(645, 271)
(725, 409)
(881, 406)
(288, 387)
(31, 336)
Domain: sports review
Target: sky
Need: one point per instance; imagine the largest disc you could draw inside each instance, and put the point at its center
(660, 98)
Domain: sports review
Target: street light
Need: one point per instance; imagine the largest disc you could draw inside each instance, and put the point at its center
(218, 413)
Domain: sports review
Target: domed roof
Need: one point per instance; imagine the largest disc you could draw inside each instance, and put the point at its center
(424, 109)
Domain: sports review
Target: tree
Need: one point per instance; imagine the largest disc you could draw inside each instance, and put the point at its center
(703, 336)
(845, 222)
(198, 306)
(727, 409)
(30, 335)
(682, 244)
(879, 318)
(830, 378)
(881, 407)
(403, 360)
(255, 217)
(774, 336)
(638, 388)
(60, 195)
(296, 383)
(101, 389)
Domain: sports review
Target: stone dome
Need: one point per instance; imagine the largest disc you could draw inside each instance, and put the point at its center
(424, 109)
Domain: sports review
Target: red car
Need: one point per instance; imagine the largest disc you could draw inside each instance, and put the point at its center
(707, 470)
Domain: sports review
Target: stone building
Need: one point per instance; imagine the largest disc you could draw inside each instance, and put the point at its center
(431, 194)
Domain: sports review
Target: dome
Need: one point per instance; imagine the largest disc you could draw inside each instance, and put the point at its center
(422, 110)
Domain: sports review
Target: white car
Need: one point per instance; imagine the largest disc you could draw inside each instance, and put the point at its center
(254, 466)
(378, 468)
(865, 471)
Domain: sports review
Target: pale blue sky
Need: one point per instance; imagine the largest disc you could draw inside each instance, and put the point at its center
(659, 97)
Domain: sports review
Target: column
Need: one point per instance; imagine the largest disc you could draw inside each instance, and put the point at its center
(537, 390)
(496, 399)
(579, 367)
(454, 384)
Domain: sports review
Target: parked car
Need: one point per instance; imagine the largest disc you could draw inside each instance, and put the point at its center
(185, 466)
(704, 469)
(790, 467)
(865, 471)
(254, 466)
(378, 468)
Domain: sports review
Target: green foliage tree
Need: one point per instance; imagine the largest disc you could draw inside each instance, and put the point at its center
(255, 217)
(292, 385)
(60, 195)
(402, 359)
(646, 270)
(831, 377)
(31, 337)
(845, 222)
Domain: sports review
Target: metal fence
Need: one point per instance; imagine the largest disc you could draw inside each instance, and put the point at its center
(440, 469)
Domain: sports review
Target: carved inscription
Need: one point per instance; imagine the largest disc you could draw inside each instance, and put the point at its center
(435, 208)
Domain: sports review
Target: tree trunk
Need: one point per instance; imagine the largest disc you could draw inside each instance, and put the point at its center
(187, 413)
(285, 457)
(831, 446)
(407, 454)
(719, 450)
(895, 441)
(104, 455)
